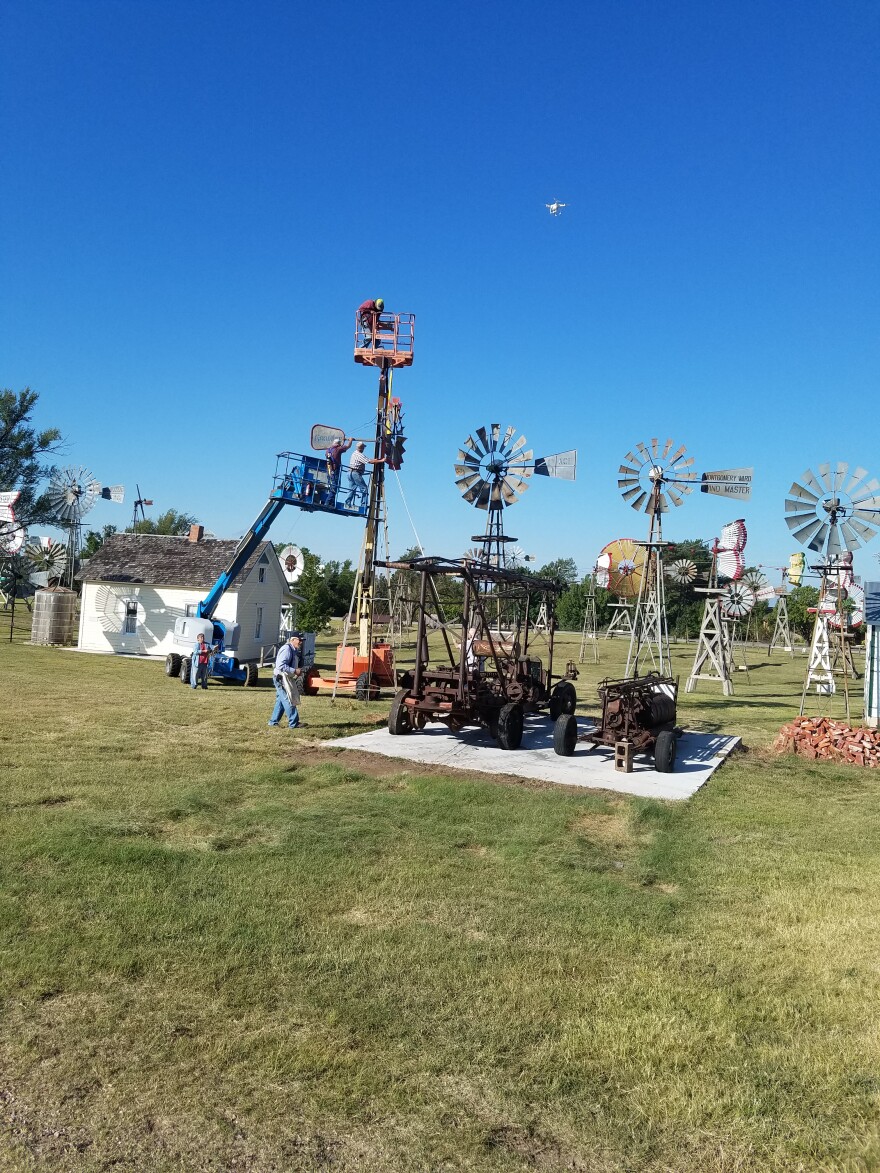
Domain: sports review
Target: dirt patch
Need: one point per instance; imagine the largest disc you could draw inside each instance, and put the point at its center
(610, 828)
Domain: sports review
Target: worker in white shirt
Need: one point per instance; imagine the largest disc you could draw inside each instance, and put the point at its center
(356, 467)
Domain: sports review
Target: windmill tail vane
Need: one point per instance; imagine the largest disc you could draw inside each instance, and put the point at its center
(728, 550)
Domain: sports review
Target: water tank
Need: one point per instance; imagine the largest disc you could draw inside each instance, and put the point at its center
(54, 619)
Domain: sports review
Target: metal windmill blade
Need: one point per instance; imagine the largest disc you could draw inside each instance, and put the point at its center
(833, 511)
(626, 567)
(683, 571)
(653, 475)
(738, 600)
(728, 550)
(756, 580)
(47, 556)
(72, 492)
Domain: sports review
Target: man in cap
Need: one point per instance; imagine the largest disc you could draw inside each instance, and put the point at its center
(289, 662)
(357, 464)
(334, 465)
(368, 316)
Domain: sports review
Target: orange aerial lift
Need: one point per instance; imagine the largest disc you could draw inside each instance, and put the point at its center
(366, 667)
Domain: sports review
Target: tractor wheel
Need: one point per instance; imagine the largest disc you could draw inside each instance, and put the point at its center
(510, 726)
(172, 664)
(664, 752)
(364, 690)
(252, 675)
(308, 688)
(185, 663)
(398, 718)
(565, 696)
(565, 735)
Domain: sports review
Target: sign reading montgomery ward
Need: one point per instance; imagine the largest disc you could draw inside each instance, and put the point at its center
(325, 436)
(728, 482)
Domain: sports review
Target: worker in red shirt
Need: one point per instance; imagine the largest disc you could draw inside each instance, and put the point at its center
(334, 466)
(368, 316)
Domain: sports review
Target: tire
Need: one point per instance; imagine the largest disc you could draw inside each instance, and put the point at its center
(510, 726)
(185, 665)
(364, 690)
(664, 751)
(565, 735)
(566, 696)
(310, 689)
(398, 718)
(172, 664)
(252, 675)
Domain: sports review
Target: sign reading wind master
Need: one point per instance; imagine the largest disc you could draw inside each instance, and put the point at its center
(728, 482)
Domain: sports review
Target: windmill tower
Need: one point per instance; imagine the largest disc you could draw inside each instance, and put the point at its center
(737, 604)
(589, 632)
(649, 480)
(832, 513)
(793, 573)
(492, 472)
(73, 492)
(713, 660)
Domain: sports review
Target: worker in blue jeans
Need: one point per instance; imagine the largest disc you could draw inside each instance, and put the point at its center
(201, 660)
(289, 659)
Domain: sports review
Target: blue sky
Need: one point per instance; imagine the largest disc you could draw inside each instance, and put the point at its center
(196, 196)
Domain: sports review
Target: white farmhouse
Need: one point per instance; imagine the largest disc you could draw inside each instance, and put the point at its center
(136, 585)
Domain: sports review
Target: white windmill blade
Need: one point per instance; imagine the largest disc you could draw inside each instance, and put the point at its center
(562, 465)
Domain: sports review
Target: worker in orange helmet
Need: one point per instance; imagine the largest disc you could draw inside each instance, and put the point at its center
(368, 316)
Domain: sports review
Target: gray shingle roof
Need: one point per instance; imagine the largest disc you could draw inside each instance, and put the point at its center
(157, 560)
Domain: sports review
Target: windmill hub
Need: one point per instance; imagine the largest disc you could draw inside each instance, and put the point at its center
(656, 472)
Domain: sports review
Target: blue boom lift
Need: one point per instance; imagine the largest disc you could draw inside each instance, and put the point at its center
(299, 480)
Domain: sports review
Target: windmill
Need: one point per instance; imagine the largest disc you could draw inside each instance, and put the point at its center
(292, 566)
(589, 631)
(682, 572)
(649, 480)
(713, 660)
(832, 512)
(73, 491)
(47, 557)
(620, 569)
(492, 472)
(738, 604)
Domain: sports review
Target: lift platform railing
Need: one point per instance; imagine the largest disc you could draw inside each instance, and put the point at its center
(306, 481)
(386, 340)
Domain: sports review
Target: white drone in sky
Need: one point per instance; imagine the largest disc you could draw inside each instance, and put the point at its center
(555, 208)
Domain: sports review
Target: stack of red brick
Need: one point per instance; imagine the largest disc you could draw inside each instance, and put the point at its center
(826, 740)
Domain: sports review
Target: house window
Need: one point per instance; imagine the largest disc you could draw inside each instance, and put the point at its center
(189, 610)
(259, 629)
(131, 618)
(262, 574)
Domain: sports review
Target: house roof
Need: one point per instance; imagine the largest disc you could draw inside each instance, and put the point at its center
(157, 560)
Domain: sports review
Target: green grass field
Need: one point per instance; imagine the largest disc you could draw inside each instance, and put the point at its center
(227, 947)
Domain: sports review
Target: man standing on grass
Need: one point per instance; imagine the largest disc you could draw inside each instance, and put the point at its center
(201, 659)
(288, 660)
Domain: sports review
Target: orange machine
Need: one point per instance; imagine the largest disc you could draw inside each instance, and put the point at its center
(357, 674)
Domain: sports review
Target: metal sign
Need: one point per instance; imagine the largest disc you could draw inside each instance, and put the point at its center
(563, 465)
(325, 436)
(728, 482)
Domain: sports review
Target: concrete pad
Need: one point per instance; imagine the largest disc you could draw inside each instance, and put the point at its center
(699, 756)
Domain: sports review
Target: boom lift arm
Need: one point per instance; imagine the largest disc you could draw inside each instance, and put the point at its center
(243, 551)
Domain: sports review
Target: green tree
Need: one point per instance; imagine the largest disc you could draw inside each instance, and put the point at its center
(170, 523)
(95, 539)
(564, 568)
(799, 601)
(22, 453)
(314, 613)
